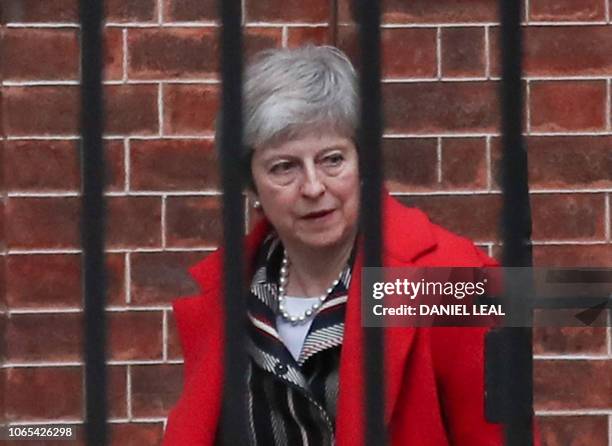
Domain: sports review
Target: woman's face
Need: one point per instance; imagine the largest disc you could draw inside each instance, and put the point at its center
(309, 189)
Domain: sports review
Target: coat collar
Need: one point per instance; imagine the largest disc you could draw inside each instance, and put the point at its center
(407, 235)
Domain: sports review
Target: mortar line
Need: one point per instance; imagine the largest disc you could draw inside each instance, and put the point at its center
(163, 222)
(439, 159)
(439, 52)
(160, 108)
(128, 278)
(165, 336)
(487, 54)
(128, 395)
(124, 45)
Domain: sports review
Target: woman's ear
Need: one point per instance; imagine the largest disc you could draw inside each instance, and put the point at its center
(253, 200)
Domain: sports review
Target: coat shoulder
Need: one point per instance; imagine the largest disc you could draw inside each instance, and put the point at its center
(411, 237)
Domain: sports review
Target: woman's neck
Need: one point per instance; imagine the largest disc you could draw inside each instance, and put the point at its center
(312, 271)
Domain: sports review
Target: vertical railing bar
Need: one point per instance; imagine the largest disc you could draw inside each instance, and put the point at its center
(333, 22)
(370, 133)
(516, 227)
(233, 421)
(93, 219)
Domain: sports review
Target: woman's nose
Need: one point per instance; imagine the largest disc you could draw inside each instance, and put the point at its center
(312, 185)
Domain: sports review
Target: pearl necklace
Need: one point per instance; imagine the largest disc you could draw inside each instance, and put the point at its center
(283, 279)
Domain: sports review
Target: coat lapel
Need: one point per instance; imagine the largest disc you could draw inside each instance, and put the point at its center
(406, 236)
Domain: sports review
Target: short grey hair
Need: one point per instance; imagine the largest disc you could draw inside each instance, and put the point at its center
(291, 92)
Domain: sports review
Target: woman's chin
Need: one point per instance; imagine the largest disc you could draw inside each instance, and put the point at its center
(323, 239)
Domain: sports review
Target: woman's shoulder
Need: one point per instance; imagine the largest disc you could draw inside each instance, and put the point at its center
(455, 250)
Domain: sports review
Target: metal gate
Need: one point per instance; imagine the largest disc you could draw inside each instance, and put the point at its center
(509, 396)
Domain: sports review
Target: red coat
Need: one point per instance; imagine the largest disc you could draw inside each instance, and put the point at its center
(433, 376)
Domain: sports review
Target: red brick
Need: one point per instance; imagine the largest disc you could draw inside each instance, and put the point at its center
(174, 345)
(38, 165)
(585, 430)
(41, 110)
(43, 393)
(464, 163)
(582, 216)
(287, 11)
(42, 222)
(136, 434)
(157, 278)
(190, 109)
(186, 53)
(425, 11)
(189, 10)
(54, 280)
(410, 164)
(173, 165)
(472, 216)
(568, 50)
(417, 48)
(580, 161)
(44, 337)
(48, 11)
(569, 340)
(131, 10)
(116, 382)
(134, 222)
(41, 165)
(193, 221)
(302, 35)
(441, 107)
(155, 389)
(2, 225)
(3, 301)
(131, 109)
(113, 54)
(463, 52)
(135, 335)
(40, 54)
(2, 395)
(570, 10)
(568, 106)
(172, 53)
(563, 385)
(573, 255)
(257, 38)
(2, 129)
(560, 51)
(3, 344)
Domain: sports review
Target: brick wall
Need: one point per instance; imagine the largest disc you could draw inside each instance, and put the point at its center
(442, 150)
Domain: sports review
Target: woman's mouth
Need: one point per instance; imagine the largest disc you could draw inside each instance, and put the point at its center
(318, 215)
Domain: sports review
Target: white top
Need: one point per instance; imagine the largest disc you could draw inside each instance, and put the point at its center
(293, 336)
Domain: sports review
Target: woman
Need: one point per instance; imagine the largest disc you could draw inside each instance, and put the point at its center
(305, 255)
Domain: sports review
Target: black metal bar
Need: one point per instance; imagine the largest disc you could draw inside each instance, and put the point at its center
(93, 219)
(368, 13)
(516, 229)
(233, 422)
(333, 22)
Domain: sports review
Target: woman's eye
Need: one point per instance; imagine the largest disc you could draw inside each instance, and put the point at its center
(282, 167)
(334, 160)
